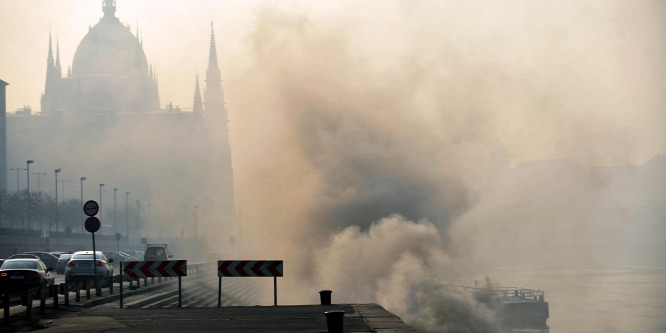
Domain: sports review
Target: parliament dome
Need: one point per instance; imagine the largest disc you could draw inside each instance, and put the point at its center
(109, 49)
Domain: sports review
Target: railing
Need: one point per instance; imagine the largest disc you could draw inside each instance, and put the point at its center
(502, 294)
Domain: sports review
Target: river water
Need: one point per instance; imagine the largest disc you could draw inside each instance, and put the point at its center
(597, 297)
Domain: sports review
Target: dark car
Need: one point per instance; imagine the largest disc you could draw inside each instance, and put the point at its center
(62, 263)
(48, 259)
(20, 275)
(156, 252)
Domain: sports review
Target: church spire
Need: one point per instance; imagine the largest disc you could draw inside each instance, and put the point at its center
(213, 96)
(57, 64)
(198, 104)
(215, 113)
(212, 53)
(49, 59)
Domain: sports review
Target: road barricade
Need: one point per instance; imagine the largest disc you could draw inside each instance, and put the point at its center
(146, 269)
(248, 268)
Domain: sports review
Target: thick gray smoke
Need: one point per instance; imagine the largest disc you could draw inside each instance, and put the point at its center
(362, 161)
(355, 156)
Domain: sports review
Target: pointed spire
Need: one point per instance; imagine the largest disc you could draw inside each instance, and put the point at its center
(212, 54)
(58, 53)
(198, 104)
(49, 59)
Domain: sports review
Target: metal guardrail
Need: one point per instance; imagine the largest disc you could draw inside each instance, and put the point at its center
(503, 294)
(86, 285)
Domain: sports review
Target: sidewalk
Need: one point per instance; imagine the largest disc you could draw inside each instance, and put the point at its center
(290, 318)
(85, 316)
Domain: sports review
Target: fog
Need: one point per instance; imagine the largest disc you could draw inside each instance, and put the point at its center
(383, 150)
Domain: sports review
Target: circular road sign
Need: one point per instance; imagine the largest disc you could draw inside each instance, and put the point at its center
(92, 224)
(91, 208)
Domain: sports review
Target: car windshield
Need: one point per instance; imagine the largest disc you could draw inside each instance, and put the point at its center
(156, 252)
(65, 256)
(85, 256)
(19, 264)
(24, 256)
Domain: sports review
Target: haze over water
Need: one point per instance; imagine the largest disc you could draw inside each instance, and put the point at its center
(382, 149)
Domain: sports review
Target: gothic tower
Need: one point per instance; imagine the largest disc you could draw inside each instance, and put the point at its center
(215, 113)
(198, 103)
(50, 97)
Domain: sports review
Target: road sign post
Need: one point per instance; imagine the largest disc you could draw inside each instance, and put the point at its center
(92, 224)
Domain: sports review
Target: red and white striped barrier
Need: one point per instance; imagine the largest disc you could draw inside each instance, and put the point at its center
(167, 268)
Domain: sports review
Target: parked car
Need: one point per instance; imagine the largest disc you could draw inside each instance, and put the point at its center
(80, 266)
(20, 275)
(118, 256)
(62, 263)
(128, 256)
(47, 258)
(156, 252)
(138, 255)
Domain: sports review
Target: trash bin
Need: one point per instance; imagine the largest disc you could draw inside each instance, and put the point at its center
(325, 297)
(334, 321)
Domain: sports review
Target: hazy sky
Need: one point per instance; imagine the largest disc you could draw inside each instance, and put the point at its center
(552, 79)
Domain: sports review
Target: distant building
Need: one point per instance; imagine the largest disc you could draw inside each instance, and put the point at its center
(109, 73)
(103, 121)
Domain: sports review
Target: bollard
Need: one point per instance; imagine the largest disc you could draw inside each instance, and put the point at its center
(325, 297)
(65, 291)
(42, 300)
(28, 306)
(54, 292)
(120, 278)
(145, 282)
(5, 305)
(110, 279)
(87, 282)
(334, 321)
(138, 283)
(78, 291)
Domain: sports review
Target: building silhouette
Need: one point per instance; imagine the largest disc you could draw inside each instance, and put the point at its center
(103, 120)
(109, 73)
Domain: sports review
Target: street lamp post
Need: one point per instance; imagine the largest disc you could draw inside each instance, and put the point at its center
(81, 226)
(115, 219)
(149, 223)
(127, 215)
(57, 171)
(63, 181)
(195, 221)
(28, 162)
(39, 174)
(138, 219)
(17, 177)
(100, 203)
